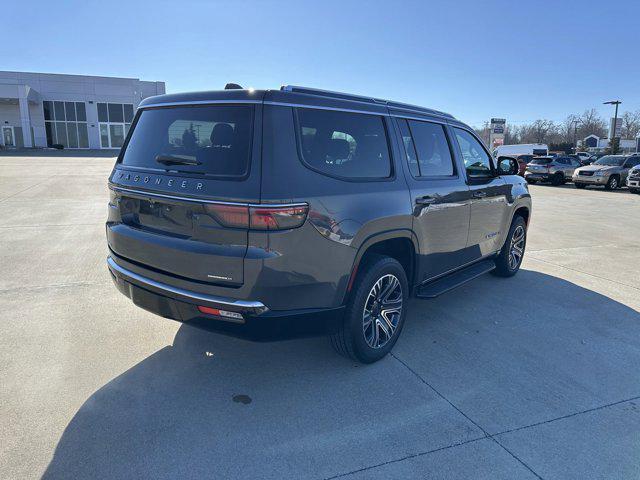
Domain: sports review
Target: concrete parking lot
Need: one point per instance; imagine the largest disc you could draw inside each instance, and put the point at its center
(537, 376)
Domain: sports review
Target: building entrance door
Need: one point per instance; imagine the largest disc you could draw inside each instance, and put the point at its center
(8, 138)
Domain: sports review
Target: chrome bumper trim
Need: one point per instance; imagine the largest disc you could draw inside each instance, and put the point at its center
(242, 306)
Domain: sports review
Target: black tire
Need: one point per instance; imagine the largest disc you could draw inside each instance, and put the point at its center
(634, 190)
(580, 185)
(350, 340)
(531, 182)
(613, 183)
(505, 268)
(557, 179)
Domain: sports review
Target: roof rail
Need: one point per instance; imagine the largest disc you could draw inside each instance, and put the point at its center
(329, 93)
(361, 98)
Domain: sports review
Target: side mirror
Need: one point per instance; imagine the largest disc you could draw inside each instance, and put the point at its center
(508, 166)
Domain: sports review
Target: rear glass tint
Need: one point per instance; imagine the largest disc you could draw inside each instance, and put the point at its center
(342, 144)
(541, 161)
(212, 140)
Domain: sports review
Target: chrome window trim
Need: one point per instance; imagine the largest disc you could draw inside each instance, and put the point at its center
(436, 117)
(116, 188)
(437, 120)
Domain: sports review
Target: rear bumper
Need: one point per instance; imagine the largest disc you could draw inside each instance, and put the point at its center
(195, 298)
(538, 177)
(257, 323)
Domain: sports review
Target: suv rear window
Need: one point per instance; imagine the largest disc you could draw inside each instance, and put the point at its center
(541, 161)
(343, 144)
(212, 140)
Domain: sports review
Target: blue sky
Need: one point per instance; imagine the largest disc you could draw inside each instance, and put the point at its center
(475, 59)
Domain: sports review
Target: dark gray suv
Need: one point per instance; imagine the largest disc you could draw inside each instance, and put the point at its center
(278, 213)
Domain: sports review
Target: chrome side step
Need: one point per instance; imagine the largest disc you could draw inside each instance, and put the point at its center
(455, 279)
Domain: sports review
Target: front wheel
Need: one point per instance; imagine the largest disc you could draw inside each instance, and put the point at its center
(510, 257)
(613, 183)
(375, 313)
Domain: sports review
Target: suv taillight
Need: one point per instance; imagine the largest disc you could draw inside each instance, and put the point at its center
(259, 218)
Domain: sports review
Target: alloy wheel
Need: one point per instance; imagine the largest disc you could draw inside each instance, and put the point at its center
(382, 311)
(516, 250)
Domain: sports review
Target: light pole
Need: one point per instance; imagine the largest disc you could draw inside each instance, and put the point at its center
(575, 134)
(614, 148)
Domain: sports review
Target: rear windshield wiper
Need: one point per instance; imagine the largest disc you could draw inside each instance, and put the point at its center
(176, 160)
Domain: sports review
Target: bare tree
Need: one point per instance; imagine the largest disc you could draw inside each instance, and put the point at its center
(540, 131)
(592, 123)
(568, 129)
(630, 124)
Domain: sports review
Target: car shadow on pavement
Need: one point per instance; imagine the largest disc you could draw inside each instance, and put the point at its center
(219, 407)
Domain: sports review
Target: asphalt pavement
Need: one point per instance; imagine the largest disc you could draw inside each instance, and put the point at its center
(536, 376)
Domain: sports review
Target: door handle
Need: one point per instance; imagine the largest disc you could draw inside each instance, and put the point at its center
(426, 200)
(479, 194)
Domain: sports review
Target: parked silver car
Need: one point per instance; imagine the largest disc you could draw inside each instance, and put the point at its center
(633, 179)
(557, 170)
(609, 171)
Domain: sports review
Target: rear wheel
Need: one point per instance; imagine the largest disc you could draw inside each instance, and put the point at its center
(375, 313)
(510, 257)
(557, 179)
(613, 183)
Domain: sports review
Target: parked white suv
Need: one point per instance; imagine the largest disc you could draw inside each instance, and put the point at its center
(633, 179)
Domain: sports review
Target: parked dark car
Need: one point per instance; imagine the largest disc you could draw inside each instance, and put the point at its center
(585, 158)
(276, 213)
(581, 159)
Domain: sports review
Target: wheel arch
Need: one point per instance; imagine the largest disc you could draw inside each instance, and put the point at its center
(399, 244)
(522, 211)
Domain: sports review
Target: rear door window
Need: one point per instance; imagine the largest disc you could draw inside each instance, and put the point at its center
(428, 143)
(211, 140)
(342, 144)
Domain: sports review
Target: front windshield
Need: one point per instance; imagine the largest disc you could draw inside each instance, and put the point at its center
(611, 160)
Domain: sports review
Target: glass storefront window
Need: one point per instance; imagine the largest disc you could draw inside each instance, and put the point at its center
(81, 112)
(104, 135)
(102, 112)
(83, 136)
(115, 120)
(117, 135)
(72, 131)
(65, 124)
(69, 107)
(61, 133)
(58, 108)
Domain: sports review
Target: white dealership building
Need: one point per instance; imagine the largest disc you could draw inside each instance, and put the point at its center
(76, 111)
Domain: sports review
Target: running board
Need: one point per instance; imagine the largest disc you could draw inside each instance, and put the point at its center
(455, 279)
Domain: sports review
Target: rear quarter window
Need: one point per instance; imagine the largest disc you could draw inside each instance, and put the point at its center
(343, 144)
(210, 140)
